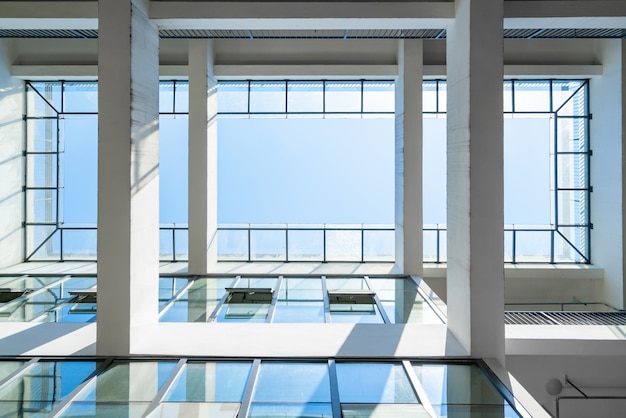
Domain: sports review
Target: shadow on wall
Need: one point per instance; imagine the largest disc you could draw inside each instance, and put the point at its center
(25, 339)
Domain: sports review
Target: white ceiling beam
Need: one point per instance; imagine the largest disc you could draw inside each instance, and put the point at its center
(49, 15)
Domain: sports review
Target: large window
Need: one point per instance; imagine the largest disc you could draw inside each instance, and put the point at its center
(546, 171)
(249, 388)
(306, 170)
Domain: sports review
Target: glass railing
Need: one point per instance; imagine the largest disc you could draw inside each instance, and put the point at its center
(359, 243)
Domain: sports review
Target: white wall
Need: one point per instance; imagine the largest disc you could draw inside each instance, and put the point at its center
(595, 375)
(11, 161)
(607, 174)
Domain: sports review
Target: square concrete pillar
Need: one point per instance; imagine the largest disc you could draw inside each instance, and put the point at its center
(128, 173)
(475, 178)
(408, 158)
(202, 157)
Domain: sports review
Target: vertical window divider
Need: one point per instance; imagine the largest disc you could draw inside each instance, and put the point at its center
(174, 96)
(326, 301)
(334, 388)
(56, 412)
(270, 314)
(158, 398)
(250, 387)
(377, 300)
(418, 388)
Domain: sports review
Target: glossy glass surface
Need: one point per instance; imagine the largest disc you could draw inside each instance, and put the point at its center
(41, 387)
(374, 383)
(222, 382)
(128, 382)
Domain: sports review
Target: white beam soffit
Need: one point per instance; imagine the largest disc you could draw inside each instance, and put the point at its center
(49, 15)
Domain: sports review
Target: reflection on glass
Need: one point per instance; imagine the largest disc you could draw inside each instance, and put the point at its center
(128, 382)
(282, 391)
(290, 410)
(300, 300)
(461, 384)
(222, 382)
(383, 411)
(43, 385)
(193, 409)
(402, 303)
(47, 300)
(374, 383)
(105, 410)
(305, 96)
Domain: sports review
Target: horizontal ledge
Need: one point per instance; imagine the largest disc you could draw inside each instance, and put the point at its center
(526, 271)
(34, 72)
(286, 71)
(83, 72)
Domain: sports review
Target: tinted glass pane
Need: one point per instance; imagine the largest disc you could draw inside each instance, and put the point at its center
(383, 411)
(374, 383)
(457, 384)
(233, 97)
(194, 409)
(104, 410)
(210, 382)
(283, 382)
(343, 96)
(532, 96)
(305, 96)
(80, 97)
(267, 96)
(128, 382)
(378, 96)
(308, 410)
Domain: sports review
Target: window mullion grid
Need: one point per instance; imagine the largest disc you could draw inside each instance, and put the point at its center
(219, 305)
(418, 388)
(62, 407)
(250, 387)
(23, 369)
(176, 296)
(158, 398)
(377, 301)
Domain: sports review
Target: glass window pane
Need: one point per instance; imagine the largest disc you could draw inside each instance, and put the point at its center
(41, 135)
(379, 245)
(343, 245)
(378, 96)
(308, 410)
(306, 245)
(267, 96)
(305, 96)
(343, 96)
(571, 170)
(173, 169)
(233, 97)
(42, 170)
(182, 97)
(44, 241)
(383, 411)
(232, 245)
(128, 382)
(374, 383)
(268, 244)
(443, 96)
(79, 169)
(210, 382)
(9, 367)
(532, 246)
(106, 410)
(532, 96)
(43, 98)
(572, 207)
(47, 382)
(507, 103)
(79, 244)
(166, 97)
(283, 382)
(562, 92)
(429, 96)
(80, 97)
(41, 205)
(195, 409)
(457, 384)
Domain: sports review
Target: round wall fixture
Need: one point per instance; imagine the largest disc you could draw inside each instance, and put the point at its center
(554, 386)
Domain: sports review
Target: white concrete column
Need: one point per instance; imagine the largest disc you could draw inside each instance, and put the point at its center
(11, 171)
(408, 157)
(202, 157)
(607, 170)
(475, 178)
(128, 173)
